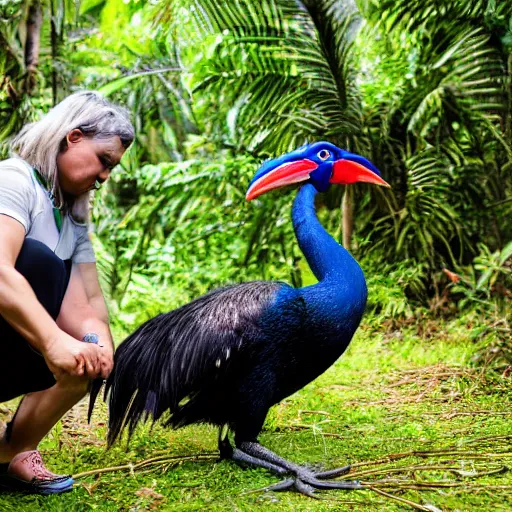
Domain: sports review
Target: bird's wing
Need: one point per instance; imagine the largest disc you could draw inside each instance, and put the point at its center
(174, 354)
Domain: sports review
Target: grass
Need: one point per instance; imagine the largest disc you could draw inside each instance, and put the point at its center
(390, 394)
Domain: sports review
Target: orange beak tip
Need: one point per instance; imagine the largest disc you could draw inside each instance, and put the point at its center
(250, 195)
(284, 174)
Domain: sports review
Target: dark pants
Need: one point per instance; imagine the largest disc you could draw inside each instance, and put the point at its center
(22, 368)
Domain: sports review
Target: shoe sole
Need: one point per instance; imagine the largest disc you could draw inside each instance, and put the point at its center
(12, 484)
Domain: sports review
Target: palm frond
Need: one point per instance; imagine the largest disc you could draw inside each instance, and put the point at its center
(411, 15)
(284, 67)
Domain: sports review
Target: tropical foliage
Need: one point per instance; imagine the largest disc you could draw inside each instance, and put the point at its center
(424, 89)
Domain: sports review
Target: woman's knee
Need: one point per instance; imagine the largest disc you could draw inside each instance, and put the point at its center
(37, 260)
(46, 273)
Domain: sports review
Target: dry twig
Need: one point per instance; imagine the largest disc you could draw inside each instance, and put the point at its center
(413, 504)
(162, 460)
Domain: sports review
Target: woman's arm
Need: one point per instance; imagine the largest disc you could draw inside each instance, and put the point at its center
(84, 310)
(20, 307)
(18, 303)
(93, 291)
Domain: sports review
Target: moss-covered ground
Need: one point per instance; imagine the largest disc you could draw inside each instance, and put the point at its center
(418, 421)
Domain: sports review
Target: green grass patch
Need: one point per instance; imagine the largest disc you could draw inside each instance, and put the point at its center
(412, 414)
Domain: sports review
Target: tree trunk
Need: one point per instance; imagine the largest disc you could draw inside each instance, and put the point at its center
(32, 44)
(54, 43)
(508, 113)
(347, 213)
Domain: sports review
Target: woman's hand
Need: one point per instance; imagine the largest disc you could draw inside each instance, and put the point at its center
(83, 312)
(107, 362)
(65, 354)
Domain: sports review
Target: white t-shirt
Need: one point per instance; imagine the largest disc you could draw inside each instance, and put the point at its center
(23, 198)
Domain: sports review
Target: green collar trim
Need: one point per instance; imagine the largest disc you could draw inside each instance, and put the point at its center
(57, 214)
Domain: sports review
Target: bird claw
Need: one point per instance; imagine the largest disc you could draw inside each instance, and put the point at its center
(335, 484)
(332, 473)
(293, 484)
(304, 488)
(307, 484)
(307, 475)
(283, 485)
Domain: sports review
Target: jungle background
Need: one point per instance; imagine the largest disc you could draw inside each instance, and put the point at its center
(422, 88)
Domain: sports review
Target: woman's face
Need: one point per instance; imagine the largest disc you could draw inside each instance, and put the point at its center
(85, 161)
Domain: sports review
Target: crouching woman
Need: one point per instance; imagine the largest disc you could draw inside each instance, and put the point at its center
(50, 298)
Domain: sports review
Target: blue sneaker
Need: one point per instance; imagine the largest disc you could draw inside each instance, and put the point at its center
(26, 473)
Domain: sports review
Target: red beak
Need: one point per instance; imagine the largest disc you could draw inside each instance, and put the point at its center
(284, 174)
(347, 172)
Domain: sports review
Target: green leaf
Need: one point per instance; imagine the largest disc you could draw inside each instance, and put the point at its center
(484, 278)
(119, 83)
(88, 5)
(506, 253)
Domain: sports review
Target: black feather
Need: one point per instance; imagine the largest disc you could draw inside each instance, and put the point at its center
(95, 388)
(185, 361)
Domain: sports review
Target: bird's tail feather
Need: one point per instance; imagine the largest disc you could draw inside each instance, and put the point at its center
(138, 386)
(180, 362)
(124, 400)
(94, 391)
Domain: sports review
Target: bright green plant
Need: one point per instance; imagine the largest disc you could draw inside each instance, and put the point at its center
(438, 105)
(488, 281)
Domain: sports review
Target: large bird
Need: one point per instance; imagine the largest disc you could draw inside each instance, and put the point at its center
(228, 356)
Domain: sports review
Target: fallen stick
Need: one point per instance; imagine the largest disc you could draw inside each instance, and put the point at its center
(413, 504)
(413, 484)
(432, 453)
(149, 462)
(454, 469)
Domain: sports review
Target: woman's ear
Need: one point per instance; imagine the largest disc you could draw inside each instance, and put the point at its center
(74, 136)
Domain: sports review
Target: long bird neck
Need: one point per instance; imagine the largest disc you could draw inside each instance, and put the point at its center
(328, 260)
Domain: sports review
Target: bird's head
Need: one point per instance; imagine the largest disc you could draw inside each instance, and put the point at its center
(320, 163)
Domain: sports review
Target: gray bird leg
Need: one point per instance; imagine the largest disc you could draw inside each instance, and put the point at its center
(242, 457)
(305, 480)
(228, 452)
(259, 451)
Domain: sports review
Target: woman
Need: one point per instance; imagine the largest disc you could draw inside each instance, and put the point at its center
(50, 298)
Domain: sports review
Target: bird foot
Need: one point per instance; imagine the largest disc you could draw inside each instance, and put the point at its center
(307, 481)
(307, 485)
(299, 478)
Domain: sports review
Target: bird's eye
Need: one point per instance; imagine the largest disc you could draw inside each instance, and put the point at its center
(323, 154)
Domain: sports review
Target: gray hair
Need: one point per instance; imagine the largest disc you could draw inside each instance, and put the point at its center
(40, 143)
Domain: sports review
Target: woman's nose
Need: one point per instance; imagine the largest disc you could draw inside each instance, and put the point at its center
(103, 175)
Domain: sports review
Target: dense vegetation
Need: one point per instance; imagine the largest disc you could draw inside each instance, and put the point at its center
(421, 88)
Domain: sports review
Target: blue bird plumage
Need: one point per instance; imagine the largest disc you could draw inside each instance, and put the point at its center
(227, 357)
